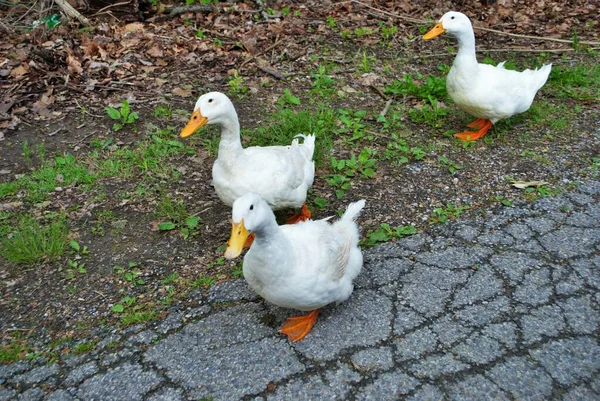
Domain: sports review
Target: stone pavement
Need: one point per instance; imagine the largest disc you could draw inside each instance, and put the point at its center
(499, 307)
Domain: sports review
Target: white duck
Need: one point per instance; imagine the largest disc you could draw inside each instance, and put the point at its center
(484, 91)
(282, 175)
(303, 266)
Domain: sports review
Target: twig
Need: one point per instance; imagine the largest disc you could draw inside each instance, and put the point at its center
(379, 92)
(82, 139)
(270, 71)
(71, 12)
(110, 6)
(516, 35)
(191, 9)
(386, 108)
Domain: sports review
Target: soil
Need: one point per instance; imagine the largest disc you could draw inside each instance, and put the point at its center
(40, 304)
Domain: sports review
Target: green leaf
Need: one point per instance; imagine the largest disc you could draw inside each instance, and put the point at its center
(192, 222)
(369, 173)
(166, 226)
(176, 144)
(125, 110)
(339, 193)
(117, 126)
(61, 161)
(113, 113)
(74, 245)
(186, 232)
(118, 308)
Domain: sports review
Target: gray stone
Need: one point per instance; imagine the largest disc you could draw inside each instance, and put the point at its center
(427, 392)
(110, 340)
(580, 199)
(522, 379)
(231, 291)
(173, 321)
(581, 219)
(59, 395)
(588, 270)
(166, 394)
(580, 315)
(580, 394)
(33, 394)
(315, 388)
(124, 382)
(552, 204)
(448, 330)
(514, 264)
(496, 238)
(455, 257)
(7, 394)
(479, 315)
(530, 246)
(482, 285)
(478, 349)
(143, 337)
(367, 315)
(416, 344)
(223, 373)
(406, 319)
(535, 288)
(519, 231)
(37, 375)
(476, 388)
(437, 365)
(80, 373)
(569, 360)
(544, 321)
(541, 225)
(568, 242)
(468, 233)
(591, 187)
(387, 386)
(7, 371)
(504, 332)
(389, 270)
(413, 243)
(373, 359)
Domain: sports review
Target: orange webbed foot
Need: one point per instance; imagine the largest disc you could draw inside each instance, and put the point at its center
(303, 215)
(296, 328)
(482, 128)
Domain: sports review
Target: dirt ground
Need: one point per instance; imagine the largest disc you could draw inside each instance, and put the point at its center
(56, 84)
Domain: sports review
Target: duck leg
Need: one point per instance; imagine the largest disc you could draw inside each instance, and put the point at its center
(303, 215)
(482, 126)
(297, 327)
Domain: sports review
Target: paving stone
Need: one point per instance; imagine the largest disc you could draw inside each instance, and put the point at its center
(7, 394)
(373, 359)
(568, 242)
(173, 321)
(406, 319)
(590, 187)
(130, 381)
(231, 291)
(505, 332)
(416, 344)
(388, 386)
(7, 371)
(367, 315)
(80, 373)
(588, 270)
(167, 394)
(580, 393)
(495, 238)
(552, 204)
(541, 225)
(59, 395)
(476, 388)
(468, 233)
(143, 337)
(37, 375)
(478, 349)
(530, 246)
(514, 264)
(581, 219)
(389, 270)
(522, 379)
(427, 392)
(448, 330)
(414, 242)
(437, 365)
(315, 388)
(580, 199)
(479, 315)
(569, 360)
(520, 231)
(33, 394)
(580, 315)
(455, 257)
(543, 321)
(535, 288)
(483, 284)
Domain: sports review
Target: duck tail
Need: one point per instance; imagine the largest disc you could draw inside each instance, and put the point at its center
(541, 76)
(353, 210)
(308, 145)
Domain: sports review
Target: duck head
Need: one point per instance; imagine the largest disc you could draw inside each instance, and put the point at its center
(453, 22)
(249, 214)
(211, 108)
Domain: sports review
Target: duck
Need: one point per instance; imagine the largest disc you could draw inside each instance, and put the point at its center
(304, 266)
(489, 93)
(281, 175)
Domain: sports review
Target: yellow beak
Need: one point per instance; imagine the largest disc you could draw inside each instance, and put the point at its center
(437, 30)
(236, 242)
(196, 121)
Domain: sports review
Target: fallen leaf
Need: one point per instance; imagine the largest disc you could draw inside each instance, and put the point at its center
(18, 72)
(74, 66)
(527, 184)
(155, 51)
(182, 92)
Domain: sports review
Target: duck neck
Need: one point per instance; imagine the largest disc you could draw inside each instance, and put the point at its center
(270, 241)
(230, 143)
(466, 59)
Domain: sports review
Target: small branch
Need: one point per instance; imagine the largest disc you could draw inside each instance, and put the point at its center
(191, 9)
(101, 11)
(70, 12)
(386, 108)
(379, 92)
(270, 71)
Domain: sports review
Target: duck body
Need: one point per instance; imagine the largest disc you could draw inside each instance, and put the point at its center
(489, 93)
(303, 266)
(281, 175)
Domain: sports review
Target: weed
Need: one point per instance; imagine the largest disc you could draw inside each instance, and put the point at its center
(236, 84)
(580, 83)
(443, 214)
(84, 347)
(424, 88)
(385, 233)
(26, 152)
(200, 34)
(352, 124)
(138, 317)
(130, 274)
(162, 111)
(428, 113)
(170, 279)
(124, 115)
(387, 33)
(203, 282)
(320, 203)
(340, 183)
(31, 242)
(452, 166)
(288, 98)
(322, 81)
(331, 22)
(364, 31)
(365, 63)
(364, 165)
(399, 152)
(14, 351)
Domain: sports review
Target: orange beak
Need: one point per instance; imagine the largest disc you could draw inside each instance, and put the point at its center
(236, 242)
(196, 121)
(437, 30)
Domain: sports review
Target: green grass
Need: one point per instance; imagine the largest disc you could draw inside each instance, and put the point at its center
(32, 242)
(130, 318)
(385, 233)
(448, 212)
(581, 82)
(84, 347)
(13, 352)
(424, 88)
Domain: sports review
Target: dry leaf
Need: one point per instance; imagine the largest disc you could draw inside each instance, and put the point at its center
(18, 72)
(182, 92)
(155, 51)
(527, 184)
(74, 66)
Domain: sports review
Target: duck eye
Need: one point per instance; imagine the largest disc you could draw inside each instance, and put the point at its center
(450, 18)
(251, 207)
(210, 100)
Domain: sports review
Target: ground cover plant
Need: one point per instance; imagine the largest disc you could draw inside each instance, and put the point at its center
(108, 219)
